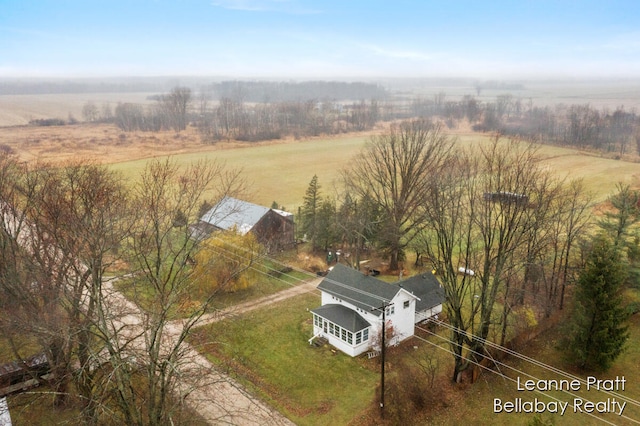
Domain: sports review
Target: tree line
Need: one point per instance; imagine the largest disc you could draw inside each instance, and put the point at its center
(582, 126)
(64, 232)
(252, 111)
(505, 236)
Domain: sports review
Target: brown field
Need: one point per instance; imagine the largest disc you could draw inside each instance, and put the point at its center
(16, 110)
(96, 142)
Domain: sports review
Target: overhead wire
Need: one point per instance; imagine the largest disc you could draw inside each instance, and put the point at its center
(525, 358)
(520, 372)
(484, 341)
(510, 378)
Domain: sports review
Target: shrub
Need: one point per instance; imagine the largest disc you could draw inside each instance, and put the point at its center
(47, 122)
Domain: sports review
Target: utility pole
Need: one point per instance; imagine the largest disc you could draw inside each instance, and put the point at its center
(383, 349)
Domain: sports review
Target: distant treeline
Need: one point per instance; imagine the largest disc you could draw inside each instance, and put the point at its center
(253, 111)
(582, 126)
(270, 92)
(237, 117)
(231, 119)
(248, 91)
(26, 87)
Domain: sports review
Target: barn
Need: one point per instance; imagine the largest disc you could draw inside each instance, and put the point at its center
(273, 228)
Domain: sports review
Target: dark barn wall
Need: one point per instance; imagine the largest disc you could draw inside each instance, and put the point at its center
(275, 231)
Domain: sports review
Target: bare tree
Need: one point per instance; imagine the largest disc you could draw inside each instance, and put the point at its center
(176, 106)
(449, 244)
(62, 224)
(490, 213)
(161, 251)
(62, 228)
(392, 171)
(90, 112)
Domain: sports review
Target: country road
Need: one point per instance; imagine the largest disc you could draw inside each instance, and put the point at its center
(306, 287)
(215, 396)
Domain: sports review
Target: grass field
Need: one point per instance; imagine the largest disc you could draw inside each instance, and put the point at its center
(268, 351)
(282, 171)
(276, 171)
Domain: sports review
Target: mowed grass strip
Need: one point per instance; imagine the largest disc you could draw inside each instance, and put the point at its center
(268, 349)
(275, 171)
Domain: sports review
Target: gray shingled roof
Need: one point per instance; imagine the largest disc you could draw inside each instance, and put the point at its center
(346, 318)
(364, 291)
(232, 213)
(426, 287)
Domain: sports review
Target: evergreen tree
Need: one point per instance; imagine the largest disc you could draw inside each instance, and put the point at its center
(326, 232)
(309, 211)
(599, 318)
(617, 223)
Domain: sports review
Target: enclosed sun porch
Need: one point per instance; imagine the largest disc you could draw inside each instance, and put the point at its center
(344, 328)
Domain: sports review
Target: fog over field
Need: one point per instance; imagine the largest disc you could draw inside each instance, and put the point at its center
(22, 100)
(544, 52)
(490, 143)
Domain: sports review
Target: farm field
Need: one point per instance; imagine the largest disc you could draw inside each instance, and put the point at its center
(19, 109)
(16, 110)
(278, 170)
(281, 171)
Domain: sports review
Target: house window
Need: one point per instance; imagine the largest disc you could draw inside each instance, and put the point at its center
(390, 310)
(358, 337)
(344, 335)
(365, 334)
(406, 304)
(349, 337)
(330, 328)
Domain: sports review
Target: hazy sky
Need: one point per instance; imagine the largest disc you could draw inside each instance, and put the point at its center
(328, 38)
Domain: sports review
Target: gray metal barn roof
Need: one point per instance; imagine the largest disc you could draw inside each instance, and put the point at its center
(232, 213)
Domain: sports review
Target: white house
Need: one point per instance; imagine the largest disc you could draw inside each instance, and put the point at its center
(429, 292)
(350, 317)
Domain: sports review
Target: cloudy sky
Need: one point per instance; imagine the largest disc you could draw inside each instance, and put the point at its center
(322, 38)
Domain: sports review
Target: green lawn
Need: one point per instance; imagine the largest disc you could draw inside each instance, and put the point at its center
(268, 350)
(281, 172)
(268, 282)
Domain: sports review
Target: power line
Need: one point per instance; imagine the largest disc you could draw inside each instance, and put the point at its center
(337, 283)
(527, 359)
(511, 379)
(484, 341)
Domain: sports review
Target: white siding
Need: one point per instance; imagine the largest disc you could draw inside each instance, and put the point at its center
(351, 350)
(402, 319)
(5, 417)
